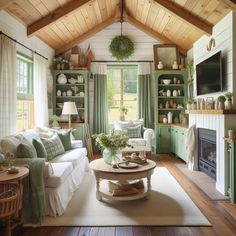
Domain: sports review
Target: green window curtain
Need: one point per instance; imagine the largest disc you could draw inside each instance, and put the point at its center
(100, 110)
(144, 94)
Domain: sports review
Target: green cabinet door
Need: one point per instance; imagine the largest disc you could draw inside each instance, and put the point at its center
(163, 139)
(173, 139)
(231, 170)
(182, 144)
(79, 132)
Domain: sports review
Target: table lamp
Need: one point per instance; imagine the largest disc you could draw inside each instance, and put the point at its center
(69, 108)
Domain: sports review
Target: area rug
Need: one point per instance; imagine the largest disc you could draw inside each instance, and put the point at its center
(203, 181)
(167, 205)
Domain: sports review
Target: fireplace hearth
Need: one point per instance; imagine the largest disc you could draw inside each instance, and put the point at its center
(207, 151)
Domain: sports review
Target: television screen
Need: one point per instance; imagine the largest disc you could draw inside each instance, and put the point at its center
(209, 75)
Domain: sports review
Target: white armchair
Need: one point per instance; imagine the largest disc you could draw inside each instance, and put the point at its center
(139, 144)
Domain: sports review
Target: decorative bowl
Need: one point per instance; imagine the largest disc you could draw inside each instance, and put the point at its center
(166, 81)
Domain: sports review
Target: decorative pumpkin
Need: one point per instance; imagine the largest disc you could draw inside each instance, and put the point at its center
(121, 47)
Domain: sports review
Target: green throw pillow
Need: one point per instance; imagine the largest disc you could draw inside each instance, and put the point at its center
(65, 137)
(134, 132)
(25, 149)
(40, 149)
(53, 146)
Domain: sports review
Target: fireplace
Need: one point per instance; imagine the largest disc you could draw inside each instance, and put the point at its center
(207, 151)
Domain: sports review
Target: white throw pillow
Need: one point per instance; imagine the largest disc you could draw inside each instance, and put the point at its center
(122, 125)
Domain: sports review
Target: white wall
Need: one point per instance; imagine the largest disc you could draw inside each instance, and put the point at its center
(99, 43)
(16, 30)
(223, 34)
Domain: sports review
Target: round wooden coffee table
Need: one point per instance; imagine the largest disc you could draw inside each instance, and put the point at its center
(103, 171)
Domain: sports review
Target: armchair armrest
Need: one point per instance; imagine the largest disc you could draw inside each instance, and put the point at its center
(148, 134)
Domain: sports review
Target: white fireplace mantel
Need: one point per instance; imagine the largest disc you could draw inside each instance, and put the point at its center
(218, 122)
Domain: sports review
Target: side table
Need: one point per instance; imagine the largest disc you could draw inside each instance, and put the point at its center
(16, 178)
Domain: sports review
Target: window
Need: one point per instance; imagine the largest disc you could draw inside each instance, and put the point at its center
(122, 91)
(25, 98)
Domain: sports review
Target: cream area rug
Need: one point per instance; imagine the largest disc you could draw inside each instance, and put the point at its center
(167, 205)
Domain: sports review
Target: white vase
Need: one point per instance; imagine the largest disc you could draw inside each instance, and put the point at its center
(61, 79)
(175, 65)
(169, 117)
(168, 93)
(160, 65)
(228, 104)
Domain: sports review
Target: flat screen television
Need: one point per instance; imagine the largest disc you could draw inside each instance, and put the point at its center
(209, 75)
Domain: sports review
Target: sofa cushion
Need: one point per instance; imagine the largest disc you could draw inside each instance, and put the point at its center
(60, 172)
(65, 137)
(25, 149)
(135, 142)
(40, 149)
(134, 132)
(72, 156)
(53, 146)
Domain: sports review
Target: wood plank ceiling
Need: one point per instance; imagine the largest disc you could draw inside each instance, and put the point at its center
(64, 23)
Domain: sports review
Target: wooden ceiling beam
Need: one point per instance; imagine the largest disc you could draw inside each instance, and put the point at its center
(4, 3)
(230, 3)
(55, 15)
(154, 34)
(88, 34)
(185, 15)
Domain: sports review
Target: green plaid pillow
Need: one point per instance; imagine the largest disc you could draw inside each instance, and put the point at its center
(53, 146)
(134, 132)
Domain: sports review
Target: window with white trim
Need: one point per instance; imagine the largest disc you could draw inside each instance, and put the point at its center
(25, 97)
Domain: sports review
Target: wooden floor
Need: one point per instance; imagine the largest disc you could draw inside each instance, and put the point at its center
(221, 214)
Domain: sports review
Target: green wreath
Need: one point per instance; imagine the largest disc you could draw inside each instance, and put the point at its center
(121, 47)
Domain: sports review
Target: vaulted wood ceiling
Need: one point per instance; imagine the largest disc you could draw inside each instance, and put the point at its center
(63, 24)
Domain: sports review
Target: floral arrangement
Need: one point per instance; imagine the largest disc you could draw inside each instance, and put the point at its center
(115, 139)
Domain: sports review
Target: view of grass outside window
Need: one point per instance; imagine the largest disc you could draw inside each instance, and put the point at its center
(25, 99)
(122, 91)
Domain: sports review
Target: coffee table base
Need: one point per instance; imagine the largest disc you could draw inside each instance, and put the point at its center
(103, 192)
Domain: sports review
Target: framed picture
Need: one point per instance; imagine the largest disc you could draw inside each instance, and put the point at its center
(165, 53)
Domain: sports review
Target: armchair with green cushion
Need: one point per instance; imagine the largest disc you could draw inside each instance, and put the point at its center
(140, 137)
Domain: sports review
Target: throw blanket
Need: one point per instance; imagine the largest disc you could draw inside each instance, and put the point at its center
(190, 145)
(34, 196)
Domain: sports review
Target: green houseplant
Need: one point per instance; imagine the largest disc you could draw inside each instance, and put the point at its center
(189, 102)
(221, 102)
(55, 120)
(123, 111)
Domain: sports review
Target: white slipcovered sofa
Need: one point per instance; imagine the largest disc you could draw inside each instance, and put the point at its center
(140, 138)
(62, 174)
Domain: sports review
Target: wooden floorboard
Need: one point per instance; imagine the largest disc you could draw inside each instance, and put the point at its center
(221, 214)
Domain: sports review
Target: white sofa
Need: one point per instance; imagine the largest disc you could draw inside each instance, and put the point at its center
(140, 144)
(61, 176)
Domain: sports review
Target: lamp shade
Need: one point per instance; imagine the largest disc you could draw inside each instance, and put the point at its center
(69, 108)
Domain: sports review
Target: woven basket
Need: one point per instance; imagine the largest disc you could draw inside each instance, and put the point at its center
(9, 200)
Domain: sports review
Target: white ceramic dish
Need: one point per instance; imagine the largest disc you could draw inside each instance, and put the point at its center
(166, 81)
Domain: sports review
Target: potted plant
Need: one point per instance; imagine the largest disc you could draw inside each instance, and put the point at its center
(57, 63)
(123, 111)
(55, 120)
(189, 103)
(228, 103)
(232, 132)
(221, 102)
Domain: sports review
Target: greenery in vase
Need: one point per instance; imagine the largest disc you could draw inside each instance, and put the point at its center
(221, 98)
(115, 139)
(229, 96)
